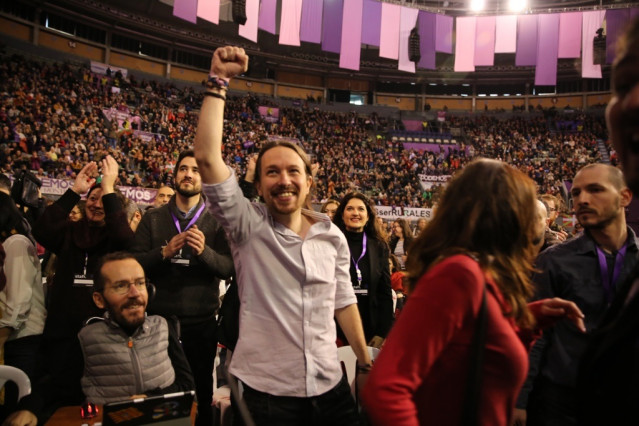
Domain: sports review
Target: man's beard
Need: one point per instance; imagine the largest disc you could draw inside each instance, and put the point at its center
(128, 326)
(188, 192)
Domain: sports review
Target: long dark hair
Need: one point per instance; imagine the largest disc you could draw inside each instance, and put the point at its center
(488, 210)
(371, 227)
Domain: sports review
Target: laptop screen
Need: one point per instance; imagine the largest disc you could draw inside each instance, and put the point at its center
(164, 410)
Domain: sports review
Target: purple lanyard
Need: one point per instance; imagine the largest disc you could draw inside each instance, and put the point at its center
(357, 270)
(193, 220)
(609, 287)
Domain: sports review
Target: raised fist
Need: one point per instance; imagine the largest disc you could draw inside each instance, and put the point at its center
(229, 61)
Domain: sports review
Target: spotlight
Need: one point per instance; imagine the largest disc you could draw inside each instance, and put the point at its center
(477, 5)
(516, 5)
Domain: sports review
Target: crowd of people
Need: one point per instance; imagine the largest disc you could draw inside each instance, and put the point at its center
(53, 121)
(130, 308)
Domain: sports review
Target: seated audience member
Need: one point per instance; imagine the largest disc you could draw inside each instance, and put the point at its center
(22, 299)
(163, 196)
(478, 248)
(111, 343)
(607, 383)
(120, 288)
(397, 281)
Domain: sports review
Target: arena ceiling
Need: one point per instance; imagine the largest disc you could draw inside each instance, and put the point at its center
(153, 20)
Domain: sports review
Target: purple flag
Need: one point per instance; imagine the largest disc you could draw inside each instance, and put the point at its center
(267, 17)
(592, 21)
(615, 22)
(290, 22)
(465, 43)
(506, 34)
(209, 10)
(372, 21)
(389, 31)
(485, 41)
(332, 25)
(186, 9)
(570, 35)
(408, 20)
(547, 50)
(526, 54)
(351, 35)
(249, 29)
(311, 28)
(444, 34)
(426, 22)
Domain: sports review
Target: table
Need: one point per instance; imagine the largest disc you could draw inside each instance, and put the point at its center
(70, 416)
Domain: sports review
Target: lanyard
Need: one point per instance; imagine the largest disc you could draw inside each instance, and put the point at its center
(357, 270)
(609, 286)
(196, 216)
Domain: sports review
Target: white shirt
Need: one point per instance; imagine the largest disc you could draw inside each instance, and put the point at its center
(22, 300)
(289, 288)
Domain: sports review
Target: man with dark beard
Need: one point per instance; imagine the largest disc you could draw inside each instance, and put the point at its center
(184, 252)
(585, 270)
(110, 344)
(126, 332)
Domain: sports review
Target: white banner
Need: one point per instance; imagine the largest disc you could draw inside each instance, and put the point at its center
(144, 196)
(427, 181)
(410, 213)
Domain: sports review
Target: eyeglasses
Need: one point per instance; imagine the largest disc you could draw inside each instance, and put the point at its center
(123, 287)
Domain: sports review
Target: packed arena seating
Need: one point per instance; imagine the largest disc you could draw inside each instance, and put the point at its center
(54, 118)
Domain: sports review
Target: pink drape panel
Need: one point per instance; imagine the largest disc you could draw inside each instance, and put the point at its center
(465, 44)
(592, 20)
(526, 54)
(485, 41)
(444, 34)
(389, 31)
(311, 28)
(249, 30)
(351, 35)
(547, 48)
(268, 12)
(185, 9)
(209, 10)
(408, 21)
(290, 22)
(506, 34)
(570, 35)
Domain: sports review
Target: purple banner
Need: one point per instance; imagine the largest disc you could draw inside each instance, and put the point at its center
(311, 28)
(616, 20)
(570, 35)
(267, 17)
(372, 21)
(389, 31)
(506, 34)
(186, 9)
(634, 12)
(209, 10)
(332, 25)
(290, 22)
(351, 35)
(592, 21)
(426, 24)
(485, 41)
(526, 54)
(465, 44)
(444, 34)
(547, 50)
(413, 125)
(408, 21)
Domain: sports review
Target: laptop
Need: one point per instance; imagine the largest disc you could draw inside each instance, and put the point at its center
(172, 409)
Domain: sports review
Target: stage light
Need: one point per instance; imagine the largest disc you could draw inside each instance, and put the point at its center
(477, 5)
(516, 5)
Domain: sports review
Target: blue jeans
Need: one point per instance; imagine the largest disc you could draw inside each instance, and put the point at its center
(335, 408)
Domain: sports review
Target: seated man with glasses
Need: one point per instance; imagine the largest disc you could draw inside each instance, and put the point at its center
(127, 353)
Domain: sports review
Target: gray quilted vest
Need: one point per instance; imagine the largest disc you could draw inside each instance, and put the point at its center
(117, 366)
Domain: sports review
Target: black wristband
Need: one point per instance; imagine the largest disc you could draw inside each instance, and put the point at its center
(215, 95)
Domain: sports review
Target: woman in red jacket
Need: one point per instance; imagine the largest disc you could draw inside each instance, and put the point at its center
(482, 234)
